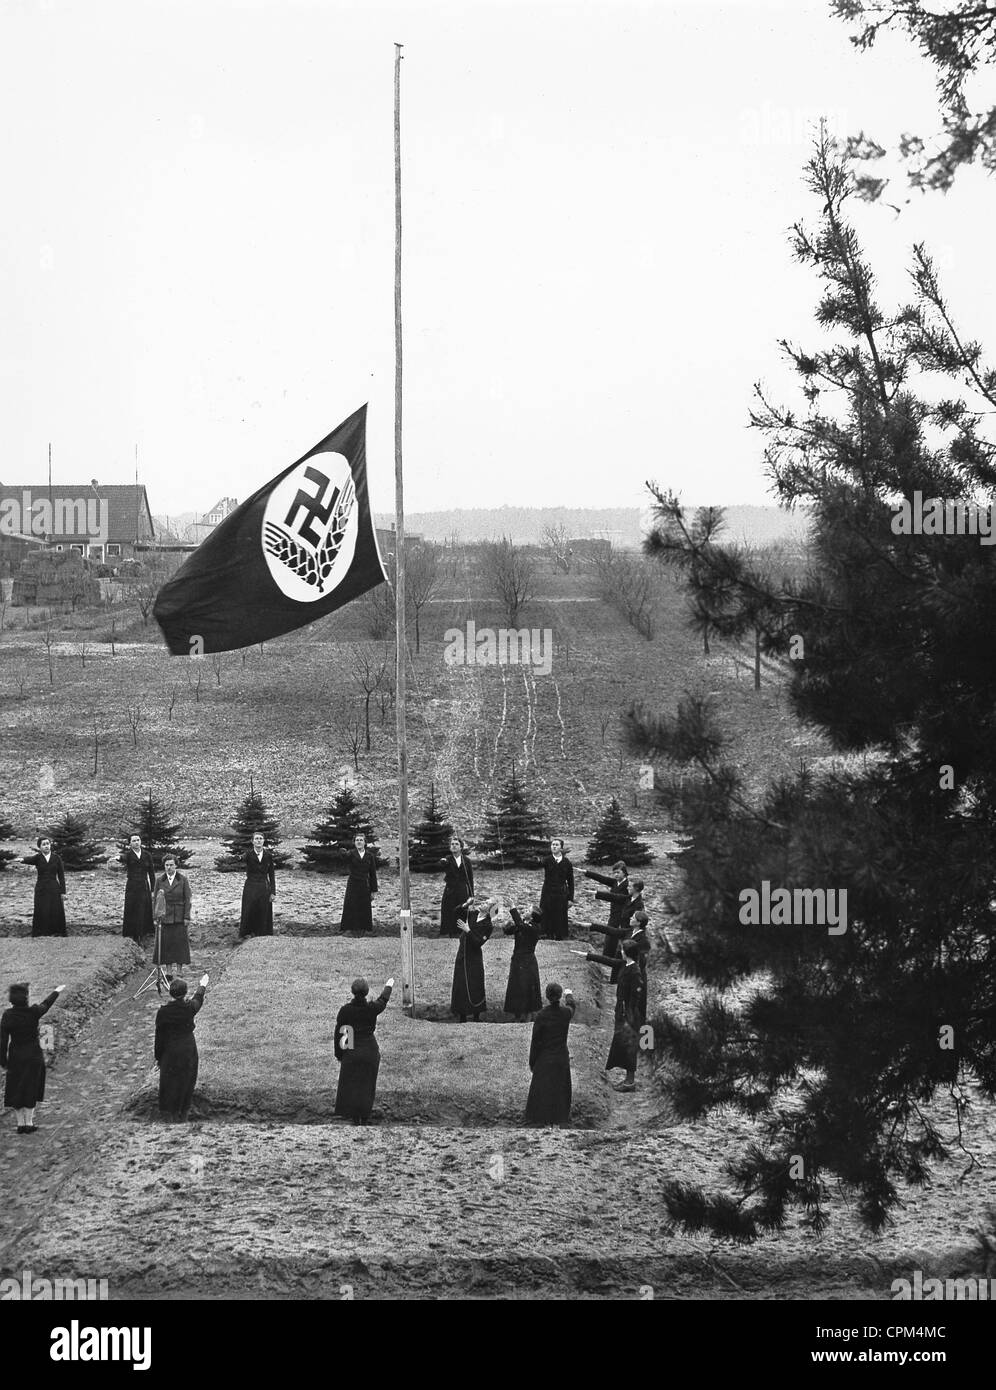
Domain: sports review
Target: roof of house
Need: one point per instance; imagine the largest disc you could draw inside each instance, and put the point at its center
(125, 504)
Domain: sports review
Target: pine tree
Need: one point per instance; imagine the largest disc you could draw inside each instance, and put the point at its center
(858, 1042)
(70, 842)
(250, 818)
(332, 838)
(153, 820)
(615, 838)
(516, 834)
(6, 833)
(431, 841)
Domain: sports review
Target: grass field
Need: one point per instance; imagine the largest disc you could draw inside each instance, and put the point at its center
(265, 1036)
(280, 715)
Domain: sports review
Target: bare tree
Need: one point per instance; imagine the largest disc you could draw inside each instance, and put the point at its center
(423, 576)
(378, 609)
(628, 583)
(353, 731)
(3, 606)
(369, 672)
(114, 623)
(385, 697)
(47, 640)
(145, 595)
(196, 686)
(98, 741)
(134, 720)
(604, 720)
(217, 661)
(82, 647)
(174, 692)
(509, 574)
(558, 543)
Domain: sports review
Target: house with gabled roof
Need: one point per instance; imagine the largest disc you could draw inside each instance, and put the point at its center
(105, 522)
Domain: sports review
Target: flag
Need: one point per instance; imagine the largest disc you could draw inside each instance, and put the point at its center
(300, 547)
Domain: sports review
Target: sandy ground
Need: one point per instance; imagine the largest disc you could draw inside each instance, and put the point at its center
(272, 1209)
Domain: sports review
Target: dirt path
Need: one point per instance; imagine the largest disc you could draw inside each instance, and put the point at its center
(84, 1092)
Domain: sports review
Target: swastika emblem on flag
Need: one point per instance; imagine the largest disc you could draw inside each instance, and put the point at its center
(310, 526)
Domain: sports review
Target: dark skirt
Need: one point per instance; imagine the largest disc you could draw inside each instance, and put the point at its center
(175, 947)
(549, 1099)
(625, 1048)
(523, 993)
(356, 910)
(257, 910)
(137, 911)
(468, 995)
(357, 1087)
(554, 908)
(178, 1075)
(25, 1084)
(448, 915)
(49, 917)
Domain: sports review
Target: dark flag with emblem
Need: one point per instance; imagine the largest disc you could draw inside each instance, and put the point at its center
(300, 547)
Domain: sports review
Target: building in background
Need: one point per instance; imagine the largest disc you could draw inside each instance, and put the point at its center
(198, 531)
(102, 522)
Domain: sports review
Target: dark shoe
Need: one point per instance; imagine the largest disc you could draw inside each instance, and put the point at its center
(30, 1129)
(22, 1129)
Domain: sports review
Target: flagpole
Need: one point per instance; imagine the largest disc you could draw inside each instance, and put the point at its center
(407, 939)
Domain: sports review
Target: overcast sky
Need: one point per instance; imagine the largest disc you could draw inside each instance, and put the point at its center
(197, 249)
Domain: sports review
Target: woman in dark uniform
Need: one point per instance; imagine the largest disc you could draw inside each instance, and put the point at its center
(458, 889)
(138, 890)
(549, 1099)
(522, 996)
(258, 891)
(361, 885)
(49, 916)
(468, 995)
(357, 1052)
(558, 891)
(631, 1010)
(617, 895)
(22, 1056)
(176, 1050)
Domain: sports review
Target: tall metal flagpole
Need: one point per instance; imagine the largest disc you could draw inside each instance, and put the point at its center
(407, 938)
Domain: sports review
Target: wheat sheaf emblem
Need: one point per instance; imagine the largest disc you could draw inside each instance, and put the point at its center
(312, 565)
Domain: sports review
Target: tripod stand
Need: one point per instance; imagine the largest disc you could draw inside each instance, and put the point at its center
(157, 975)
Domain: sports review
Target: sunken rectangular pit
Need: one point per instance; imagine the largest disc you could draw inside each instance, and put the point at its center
(265, 1037)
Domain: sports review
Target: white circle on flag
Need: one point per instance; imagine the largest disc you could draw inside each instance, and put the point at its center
(310, 527)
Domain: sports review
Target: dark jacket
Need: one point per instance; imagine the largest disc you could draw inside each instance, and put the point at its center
(49, 915)
(177, 897)
(549, 1099)
(630, 1012)
(558, 879)
(358, 1055)
(522, 995)
(260, 887)
(357, 911)
(175, 1022)
(262, 869)
(21, 1053)
(468, 994)
(458, 887)
(140, 883)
